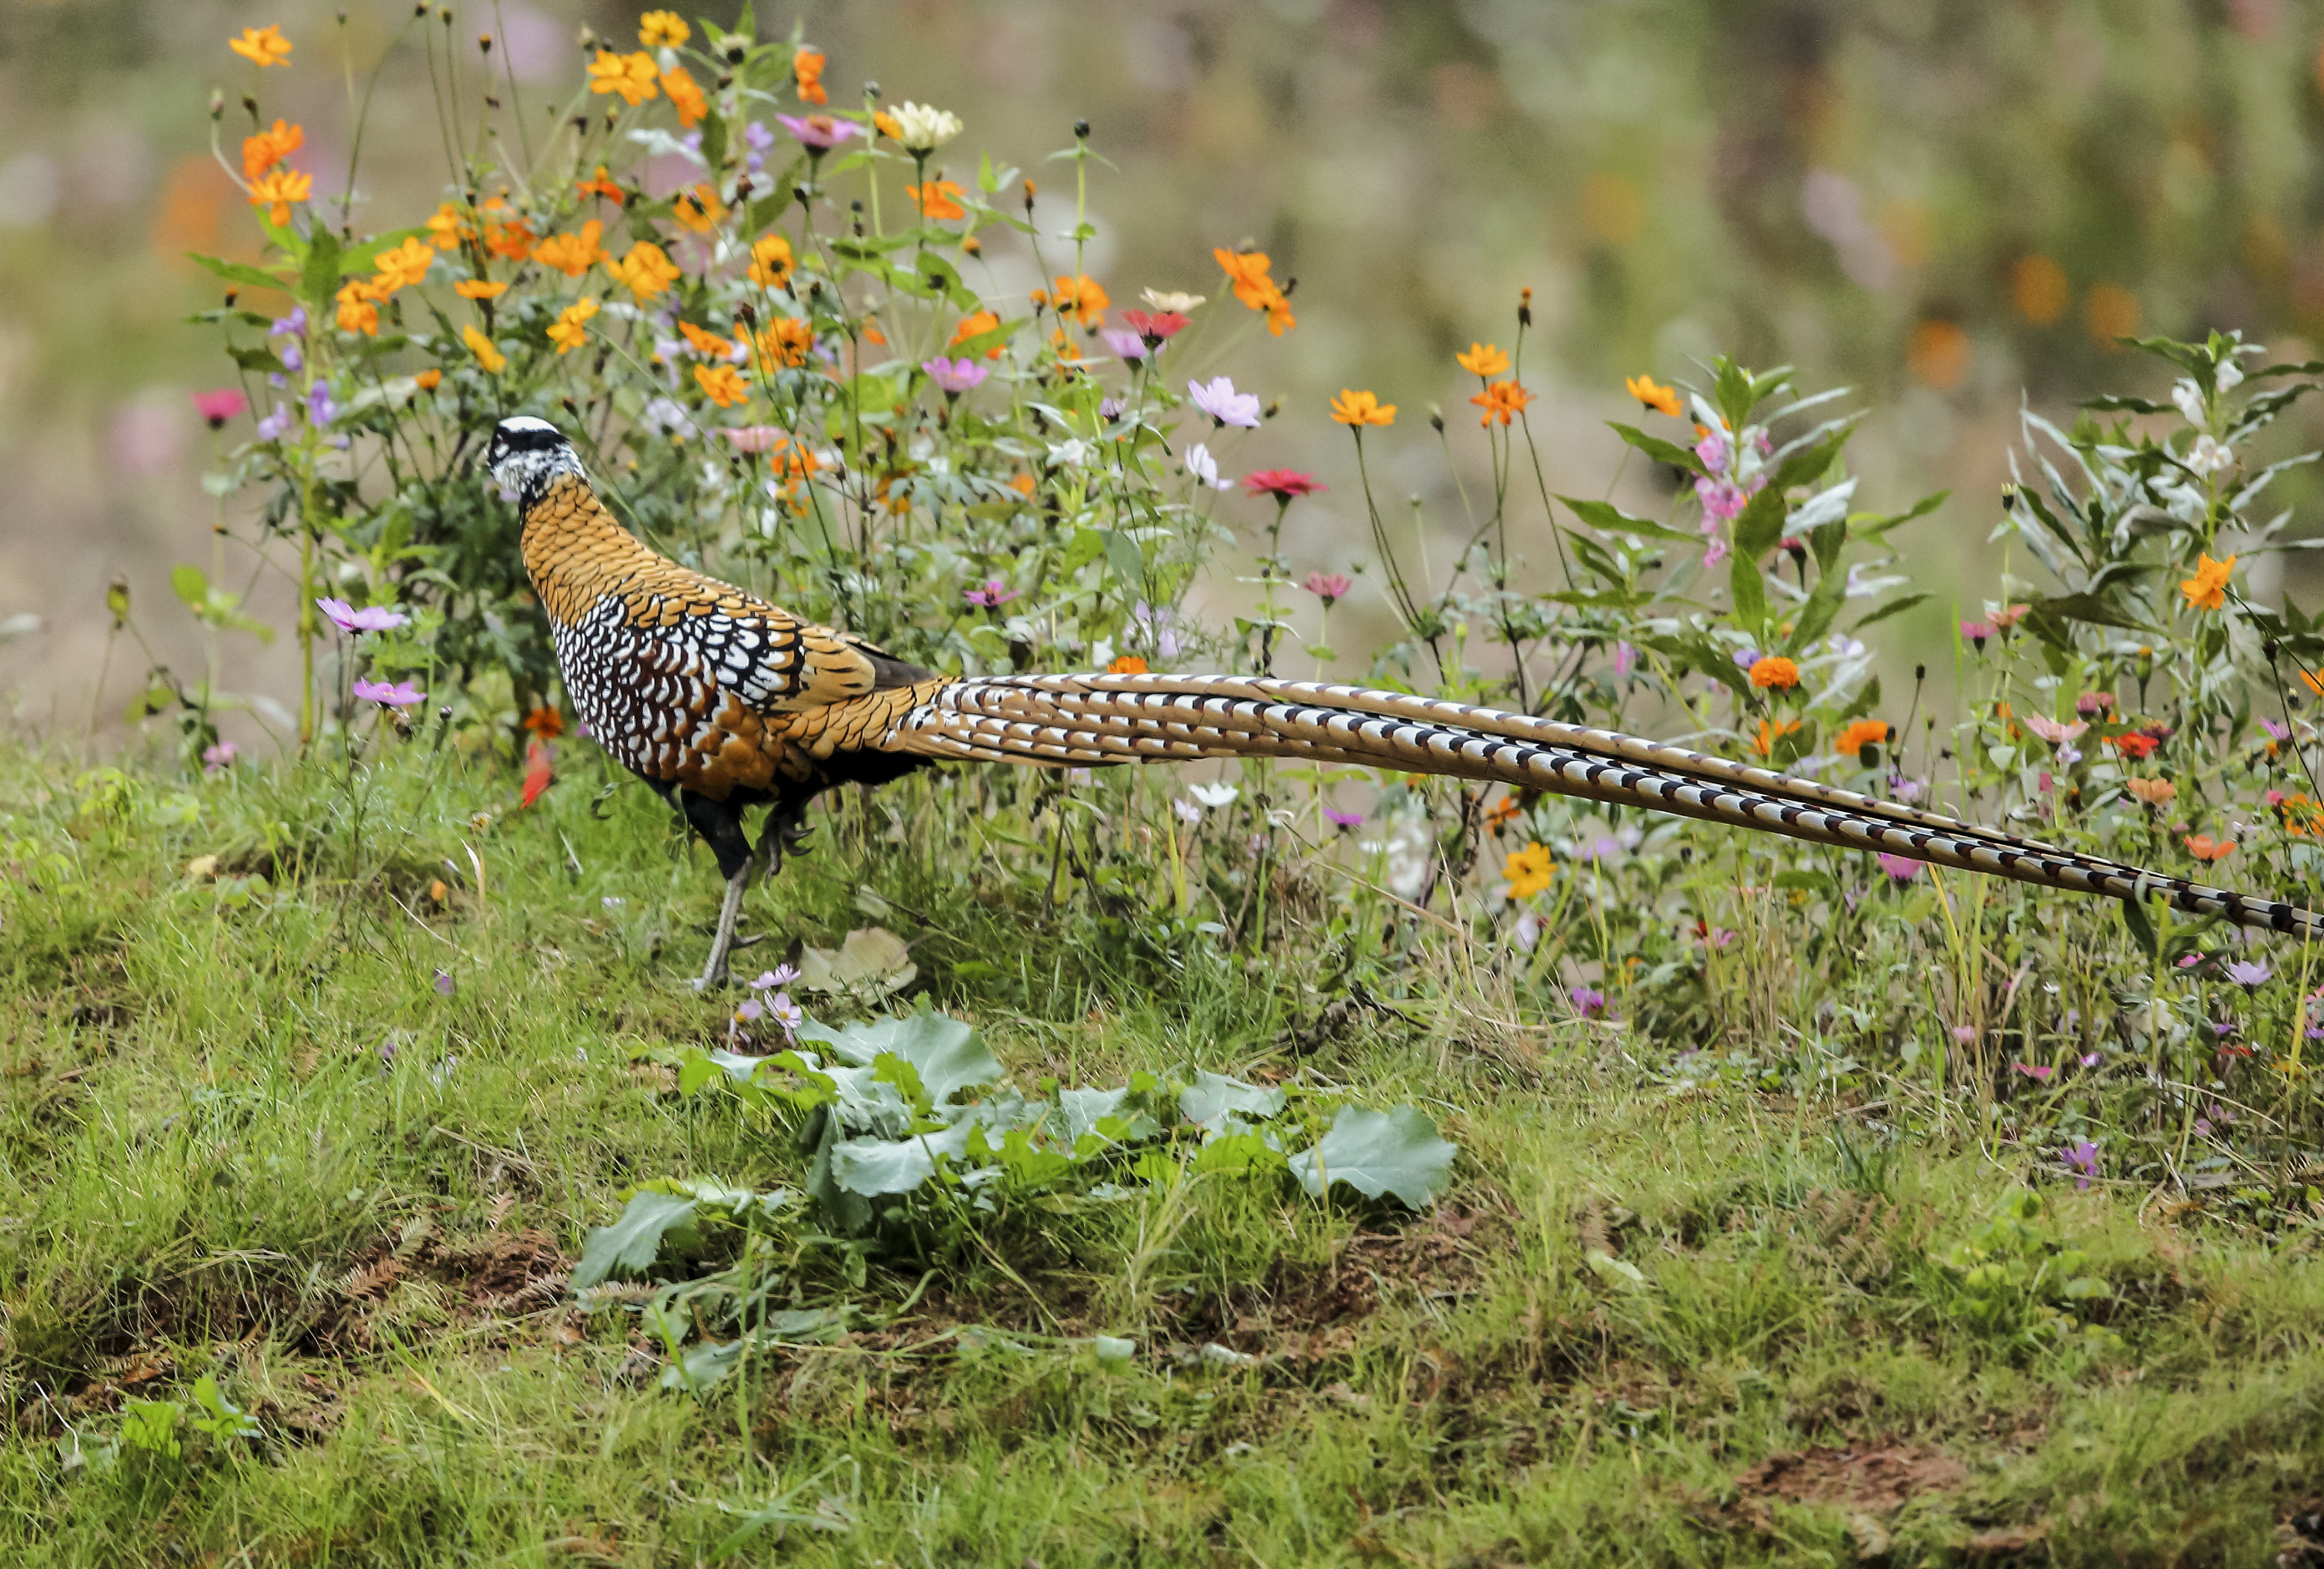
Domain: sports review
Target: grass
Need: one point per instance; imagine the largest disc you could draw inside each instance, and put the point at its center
(242, 1135)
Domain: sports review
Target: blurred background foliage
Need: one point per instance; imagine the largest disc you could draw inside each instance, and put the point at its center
(1946, 206)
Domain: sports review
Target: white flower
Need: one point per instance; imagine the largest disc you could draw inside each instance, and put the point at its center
(2208, 456)
(1171, 301)
(1188, 812)
(2190, 399)
(1528, 930)
(1205, 467)
(2229, 375)
(1074, 454)
(1215, 796)
(925, 128)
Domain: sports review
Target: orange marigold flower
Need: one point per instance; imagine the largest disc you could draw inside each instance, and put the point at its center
(479, 288)
(2208, 589)
(277, 190)
(1502, 400)
(1665, 399)
(402, 266)
(2203, 847)
(787, 341)
(1864, 732)
(1775, 670)
(685, 96)
(629, 75)
(487, 355)
(357, 312)
(263, 151)
(663, 30)
(1483, 359)
(722, 384)
(1127, 665)
(700, 209)
(936, 199)
(571, 329)
(597, 184)
(448, 230)
(1080, 298)
(264, 46)
(1063, 346)
(1771, 732)
(1529, 871)
(429, 379)
(770, 261)
(647, 271)
(807, 69)
(572, 254)
(976, 324)
(1356, 409)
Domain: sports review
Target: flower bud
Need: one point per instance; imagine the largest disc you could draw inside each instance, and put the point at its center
(1524, 306)
(872, 90)
(250, 107)
(1081, 130)
(217, 103)
(1436, 418)
(117, 600)
(484, 42)
(586, 37)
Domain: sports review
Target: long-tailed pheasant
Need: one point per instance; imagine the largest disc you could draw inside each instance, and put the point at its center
(724, 703)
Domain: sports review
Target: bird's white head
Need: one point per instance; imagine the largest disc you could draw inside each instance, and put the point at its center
(526, 453)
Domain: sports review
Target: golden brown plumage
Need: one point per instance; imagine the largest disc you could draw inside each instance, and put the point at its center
(724, 702)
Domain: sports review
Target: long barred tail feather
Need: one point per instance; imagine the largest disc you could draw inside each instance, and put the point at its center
(1092, 719)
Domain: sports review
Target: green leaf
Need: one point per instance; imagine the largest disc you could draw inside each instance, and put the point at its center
(948, 1056)
(1613, 520)
(1743, 581)
(222, 1418)
(714, 143)
(1872, 528)
(193, 584)
(240, 272)
(1761, 523)
(1214, 1097)
(2142, 930)
(318, 275)
(1809, 463)
(1122, 554)
(151, 1425)
(634, 1241)
(2095, 609)
(1238, 1154)
(1902, 602)
(1660, 450)
(1380, 1152)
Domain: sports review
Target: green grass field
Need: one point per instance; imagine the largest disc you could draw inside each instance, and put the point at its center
(247, 1137)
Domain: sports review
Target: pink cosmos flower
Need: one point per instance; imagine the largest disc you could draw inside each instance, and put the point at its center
(820, 132)
(1976, 632)
(1899, 868)
(1219, 399)
(369, 618)
(955, 376)
(389, 695)
(1125, 346)
(995, 592)
(220, 406)
(756, 438)
(2050, 730)
(1329, 587)
(1342, 821)
(216, 760)
(2038, 1071)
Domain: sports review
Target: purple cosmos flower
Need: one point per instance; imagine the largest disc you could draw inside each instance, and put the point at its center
(275, 425)
(994, 593)
(1588, 1000)
(392, 695)
(785, 1012)
(216, 760)
(2092, 1059)
(1109, 409)
(1158, 624)
(219, 406)
(1625, 659)
(1343, 821)
(955, 376)
(1528, 932)
(2082, 1158)
(291, 326)
(2248, 972)
(758, 139)
(1219, 399)
(1899, 868)
(369, 618)
(321, 410)
(820, 132)
(1187, 811)
(2039, 1071)
(445, 985)
(1124, 345)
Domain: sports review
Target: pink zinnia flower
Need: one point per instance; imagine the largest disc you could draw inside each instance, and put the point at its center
(2050, 730)
(220, 406)
(1329, 587)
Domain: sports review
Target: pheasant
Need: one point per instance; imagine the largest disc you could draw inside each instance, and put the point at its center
(724, 703)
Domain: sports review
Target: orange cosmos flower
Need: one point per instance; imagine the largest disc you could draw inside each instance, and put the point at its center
(977, 324)
(511, 242)
(569, 330)
(2314, 683)
(707, 344)
(263, 151)
(787, 341)
(1483, 359)
(1502, 812)
(770, 261)
(1080, 298)
(685, 96)
(572, 254)
(2208, 589)
(357, 312)
(722, 384)
(663, 30)
(807, 69)
(479, 288)
(448, 230)
(1247, 271)
(488, 356)
(1127, 665)
(2154, 792)
(264, 46)
(700, 209)
(936, 199)
(1356, 409)
(887, 125)
(2203, 847)
(1771, 732)
(2133, 743)
(1665, 399)
(598, 184)
(629, 75)
(1775, 670)
(429, 379)
(278, 190)
(1864, 732)
(1529, 871)
(1502, 400)
(404, 265)
(647, 271)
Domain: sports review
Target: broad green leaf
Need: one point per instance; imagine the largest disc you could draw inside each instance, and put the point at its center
(240, 272)
(948, 1056)
(151, 1425)
(1212, 1097)
(1660, 450)
(1901, 603)
(1613, 520)
(1380, 1152)
(634, 1241)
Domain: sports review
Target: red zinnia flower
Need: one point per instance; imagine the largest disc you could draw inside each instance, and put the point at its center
(1154, 326)
(1282, 483)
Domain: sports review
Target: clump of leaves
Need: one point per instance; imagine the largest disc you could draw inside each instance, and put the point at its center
(2014, 1281)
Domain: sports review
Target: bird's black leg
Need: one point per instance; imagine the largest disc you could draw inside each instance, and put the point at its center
(720, 823)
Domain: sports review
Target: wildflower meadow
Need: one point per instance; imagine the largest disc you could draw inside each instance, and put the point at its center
(1237, 1162)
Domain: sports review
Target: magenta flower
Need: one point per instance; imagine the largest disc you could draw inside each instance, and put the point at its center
(1721, 499)
(216, 760)
(2275, 731)
(820, 132)
(389, 695)
(1284, 485)
(220, 406)
(1154, 326)
(955, 376)
(1714, 553)
(1964, 1035)
(1712, 450)
(1588, 1000)
(2090, 704)
(2037, 1071)
(1625, 659)
(2082, 1158)
(1329, 587)
(1219, 399)
(1976, 632)
(445, 985)
(994, 593)
(1343, 821)
(369, 618)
